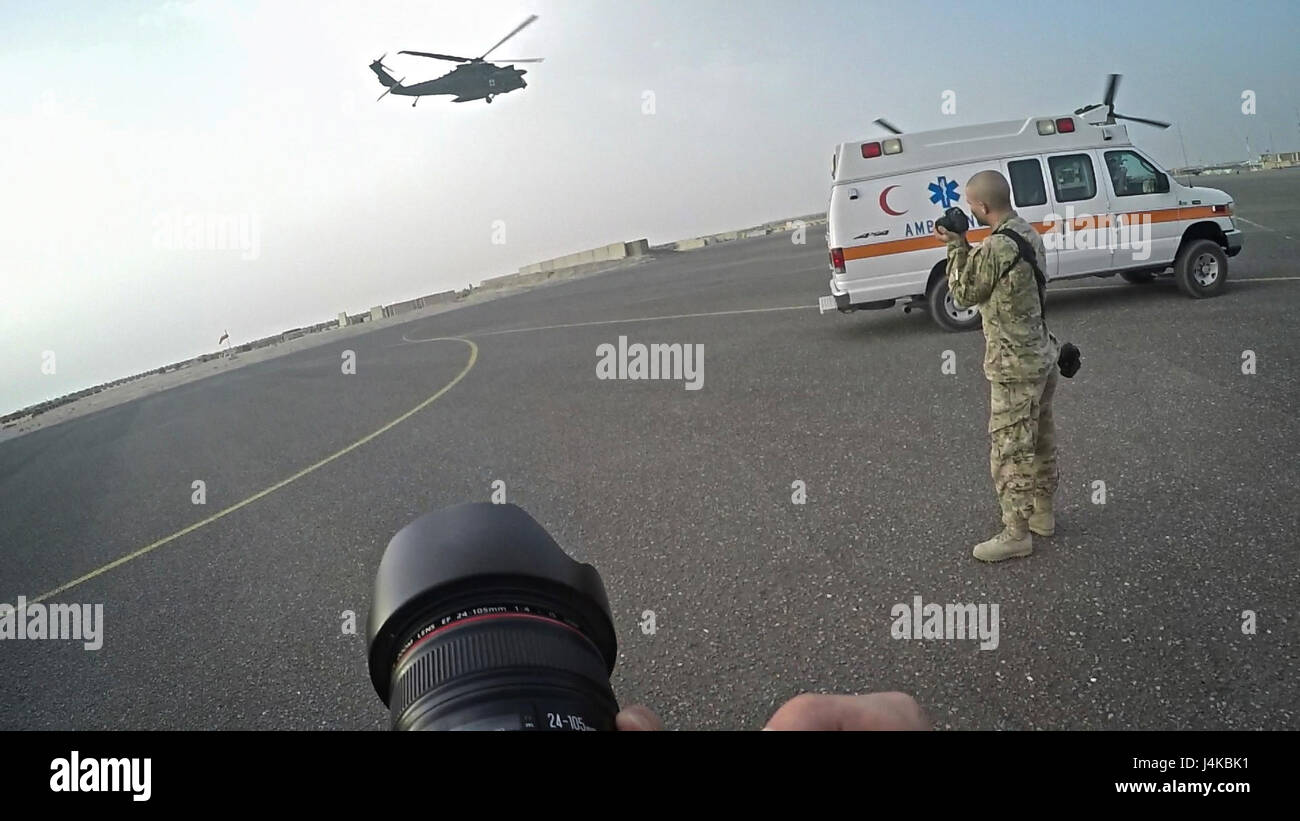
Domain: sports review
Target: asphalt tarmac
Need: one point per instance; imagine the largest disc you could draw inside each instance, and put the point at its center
(231, 614)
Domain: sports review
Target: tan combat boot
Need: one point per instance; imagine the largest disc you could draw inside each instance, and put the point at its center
(1043, 522)
(1011, 543)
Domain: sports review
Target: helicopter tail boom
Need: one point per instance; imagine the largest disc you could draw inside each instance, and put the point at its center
(385, 78)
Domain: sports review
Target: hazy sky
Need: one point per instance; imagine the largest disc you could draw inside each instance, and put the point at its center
(120, 121)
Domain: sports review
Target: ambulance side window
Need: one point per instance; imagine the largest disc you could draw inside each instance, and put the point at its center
(1072, 177)
(1131, 174)
(1027, 182)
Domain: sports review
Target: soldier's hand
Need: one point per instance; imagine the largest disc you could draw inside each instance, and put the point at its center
(949, 237)
(637, 717)
(810, 711)
(871, 711)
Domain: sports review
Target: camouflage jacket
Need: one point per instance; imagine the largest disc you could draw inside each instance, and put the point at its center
(1018, 347)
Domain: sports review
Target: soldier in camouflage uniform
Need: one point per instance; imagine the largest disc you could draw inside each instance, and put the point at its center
(1019, 362)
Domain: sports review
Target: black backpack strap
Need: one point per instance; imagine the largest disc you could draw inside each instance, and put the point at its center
(1025, 251)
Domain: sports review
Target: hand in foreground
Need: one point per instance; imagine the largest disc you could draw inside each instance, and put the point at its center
(811, 711)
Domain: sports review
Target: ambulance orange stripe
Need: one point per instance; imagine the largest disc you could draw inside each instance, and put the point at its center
(902, 246)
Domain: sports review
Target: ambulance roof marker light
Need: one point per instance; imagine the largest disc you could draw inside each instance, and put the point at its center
(1065, 125)
(1046, 127)
(870, 150)
(893, 146)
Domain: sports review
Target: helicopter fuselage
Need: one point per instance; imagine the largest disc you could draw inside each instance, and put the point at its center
(472, 81)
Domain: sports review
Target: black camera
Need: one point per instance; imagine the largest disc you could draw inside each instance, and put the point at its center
(1069, 360)
(954, 221)
(480, 621)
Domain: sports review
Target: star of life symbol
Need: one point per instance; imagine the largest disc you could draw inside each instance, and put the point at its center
(944, 192)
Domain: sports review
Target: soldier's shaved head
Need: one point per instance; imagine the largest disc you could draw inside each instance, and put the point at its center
(989, 197)
(990, 188)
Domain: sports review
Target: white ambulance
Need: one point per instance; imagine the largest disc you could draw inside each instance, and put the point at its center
(1103, 206)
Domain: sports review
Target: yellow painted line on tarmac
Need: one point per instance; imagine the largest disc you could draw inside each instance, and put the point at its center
(642, 319)
(473, 358)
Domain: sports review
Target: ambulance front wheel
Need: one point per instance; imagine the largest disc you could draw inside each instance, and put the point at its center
(946, 312)
(1201, 269)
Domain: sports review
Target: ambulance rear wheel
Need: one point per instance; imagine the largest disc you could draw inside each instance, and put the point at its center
(946, 312)
(1201, 269)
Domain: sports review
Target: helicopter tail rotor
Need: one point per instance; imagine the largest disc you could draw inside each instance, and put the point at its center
(397, 84)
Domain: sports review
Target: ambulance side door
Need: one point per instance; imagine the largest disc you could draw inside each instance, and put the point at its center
(1080, 202)
(1029, 198)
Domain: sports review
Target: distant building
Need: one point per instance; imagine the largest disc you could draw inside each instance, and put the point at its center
(1221, 168)
(1282, 160)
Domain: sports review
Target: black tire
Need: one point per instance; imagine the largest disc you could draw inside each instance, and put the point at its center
(1138, 277)
(944, 312)
(1201, 269)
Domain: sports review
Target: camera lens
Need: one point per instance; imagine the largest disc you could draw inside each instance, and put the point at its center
(480, 621)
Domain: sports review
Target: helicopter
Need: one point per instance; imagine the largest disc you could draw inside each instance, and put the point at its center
(474, 79)
(1106, 106)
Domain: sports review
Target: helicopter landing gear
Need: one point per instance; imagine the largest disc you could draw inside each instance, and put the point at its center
(488, 98)
(413, 102)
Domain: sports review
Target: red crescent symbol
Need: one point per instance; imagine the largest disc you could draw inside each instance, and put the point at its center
(884, 204)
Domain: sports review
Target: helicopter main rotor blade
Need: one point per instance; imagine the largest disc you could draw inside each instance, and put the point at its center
(440, 56)
(529, 60)
(1156, 123)
(1112, 86)
(518, 29)
(885, 124)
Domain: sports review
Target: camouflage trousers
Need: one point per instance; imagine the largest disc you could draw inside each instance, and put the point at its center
(1022, 458)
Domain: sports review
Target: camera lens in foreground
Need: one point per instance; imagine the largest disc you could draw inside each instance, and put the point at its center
(480, 621)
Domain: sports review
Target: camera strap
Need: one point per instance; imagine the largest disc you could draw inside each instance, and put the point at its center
(1025, 251)
(1068, 359)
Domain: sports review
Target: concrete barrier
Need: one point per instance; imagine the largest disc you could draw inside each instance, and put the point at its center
(399, 308)
(502, 281)
(605, 253)
(437, 299)
(694, 243)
